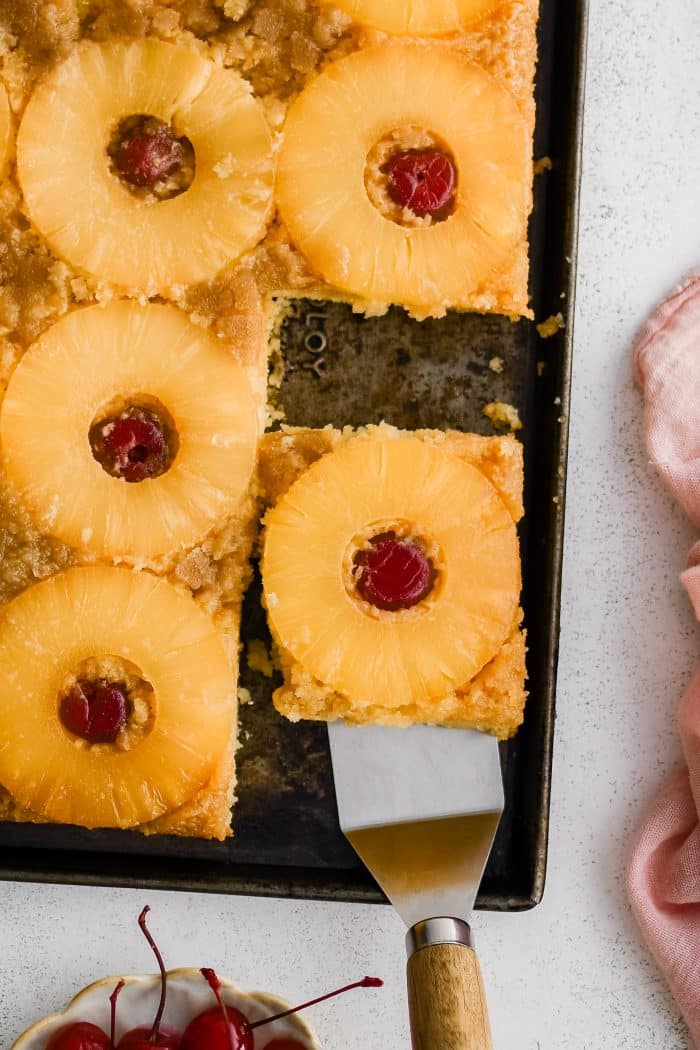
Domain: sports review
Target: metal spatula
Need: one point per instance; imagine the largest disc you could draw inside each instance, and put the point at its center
(421, 807)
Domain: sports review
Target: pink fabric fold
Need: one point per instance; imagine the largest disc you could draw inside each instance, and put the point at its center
(664, 872)
(666, 358)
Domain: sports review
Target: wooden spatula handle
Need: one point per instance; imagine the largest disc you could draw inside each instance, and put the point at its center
(446, 998)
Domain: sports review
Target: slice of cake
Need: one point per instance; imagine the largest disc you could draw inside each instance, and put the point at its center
(405, 176)
(391, 575)
(148, 432)
(119, 705)
(152, 145)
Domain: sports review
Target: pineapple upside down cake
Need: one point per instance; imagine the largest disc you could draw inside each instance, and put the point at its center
(172, 174)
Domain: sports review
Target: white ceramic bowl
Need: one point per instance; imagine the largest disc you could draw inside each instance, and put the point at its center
(188, 995)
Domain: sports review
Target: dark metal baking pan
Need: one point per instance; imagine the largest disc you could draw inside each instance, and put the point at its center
(346, 369)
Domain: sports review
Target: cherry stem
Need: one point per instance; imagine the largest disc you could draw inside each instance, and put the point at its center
(214, 983)
(366, 982)
(163, 979)
(113, 1014)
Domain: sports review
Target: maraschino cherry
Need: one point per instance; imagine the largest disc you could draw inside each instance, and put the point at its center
(226, 1028)
(96, 711)
(80, 1036)
(85, 1036)
(148, 154)
(394, 573)
(423, 181)
(155, 1036)
(132, 446)
(221, 1028)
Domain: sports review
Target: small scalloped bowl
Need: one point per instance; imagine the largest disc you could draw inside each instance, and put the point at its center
(188, 995)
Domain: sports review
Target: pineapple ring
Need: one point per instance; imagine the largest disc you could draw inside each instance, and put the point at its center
(391, 659)
(87, 360)
(85, 212)
(321, 188)
(55, 625)
(416, 17)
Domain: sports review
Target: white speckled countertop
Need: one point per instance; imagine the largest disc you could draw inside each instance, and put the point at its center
(572, 974)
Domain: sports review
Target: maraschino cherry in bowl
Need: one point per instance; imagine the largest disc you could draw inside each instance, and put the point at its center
(184, 1009)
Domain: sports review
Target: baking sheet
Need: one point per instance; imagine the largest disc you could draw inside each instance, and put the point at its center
(346, 369)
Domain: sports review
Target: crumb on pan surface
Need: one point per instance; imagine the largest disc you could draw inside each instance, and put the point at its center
(551, 325)
(502, 414)
(258, 658)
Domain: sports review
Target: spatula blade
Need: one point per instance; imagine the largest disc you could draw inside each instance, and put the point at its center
(421, 807)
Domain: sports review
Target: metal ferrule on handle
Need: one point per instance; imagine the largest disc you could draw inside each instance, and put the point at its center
(440, 930)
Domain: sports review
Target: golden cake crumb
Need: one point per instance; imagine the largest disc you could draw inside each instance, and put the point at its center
(258, 658)
(503, 415)
(551, 326)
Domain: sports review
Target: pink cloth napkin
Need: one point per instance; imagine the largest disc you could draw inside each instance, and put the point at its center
(664, 873)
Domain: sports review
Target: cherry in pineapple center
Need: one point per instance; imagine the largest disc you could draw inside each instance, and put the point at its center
(96, 711)
(107, 700)
(411, 177)
(423, 181)
(134, 440)
(392, 571)
(149, 157)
